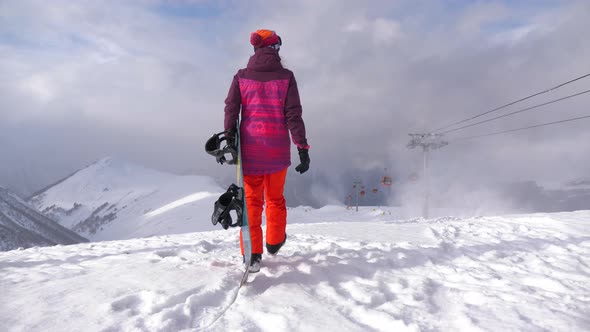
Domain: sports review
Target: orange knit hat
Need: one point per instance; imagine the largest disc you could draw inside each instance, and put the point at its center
(263, 38)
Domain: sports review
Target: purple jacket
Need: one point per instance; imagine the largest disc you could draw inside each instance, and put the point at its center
(267, 95)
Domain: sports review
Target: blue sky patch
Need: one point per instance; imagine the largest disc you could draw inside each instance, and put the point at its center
(200, 9)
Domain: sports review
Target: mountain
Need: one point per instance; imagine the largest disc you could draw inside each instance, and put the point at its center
(373, 273)
(112, 199)
(21, 226)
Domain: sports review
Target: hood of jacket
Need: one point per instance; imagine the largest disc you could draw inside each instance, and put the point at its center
(265, 59)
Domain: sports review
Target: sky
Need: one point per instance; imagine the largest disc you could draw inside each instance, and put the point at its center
(145, 81)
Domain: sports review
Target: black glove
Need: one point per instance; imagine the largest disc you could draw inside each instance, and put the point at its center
(230, 136)
(304, 157)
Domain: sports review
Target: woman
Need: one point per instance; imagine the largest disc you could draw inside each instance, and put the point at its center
(267, 96)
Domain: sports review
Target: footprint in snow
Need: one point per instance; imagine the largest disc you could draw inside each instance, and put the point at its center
(192, 308)
(158, 256)
(166, 253)
(135, 304)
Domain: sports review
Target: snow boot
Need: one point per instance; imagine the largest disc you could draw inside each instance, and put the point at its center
(273, 249)
(254, 263)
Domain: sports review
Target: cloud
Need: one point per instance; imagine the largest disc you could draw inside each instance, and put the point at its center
(147, 79)
(477, 16)
(37, 87)
(381, 30)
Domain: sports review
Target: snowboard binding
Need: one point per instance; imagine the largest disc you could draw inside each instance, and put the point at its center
(232, 199)
(214, 148)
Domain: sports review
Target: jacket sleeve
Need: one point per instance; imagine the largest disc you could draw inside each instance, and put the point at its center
(293, 113)
(232, 105)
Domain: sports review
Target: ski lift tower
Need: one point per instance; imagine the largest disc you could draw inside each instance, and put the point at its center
(357, 186)
(427, 142)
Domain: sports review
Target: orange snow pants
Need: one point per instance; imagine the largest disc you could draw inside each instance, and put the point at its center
(258, 189)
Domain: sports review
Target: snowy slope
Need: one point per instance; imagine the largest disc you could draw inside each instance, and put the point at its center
(113, 199)
(23, 226)
(511, 273)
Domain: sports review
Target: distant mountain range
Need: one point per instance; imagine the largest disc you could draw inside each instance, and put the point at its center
(21, 226)
(112, 199)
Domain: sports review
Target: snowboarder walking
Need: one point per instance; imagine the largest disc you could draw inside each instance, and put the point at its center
(266, 94)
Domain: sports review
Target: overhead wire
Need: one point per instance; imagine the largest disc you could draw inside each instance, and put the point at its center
(516, 112)
(514, 102)
(523, 128)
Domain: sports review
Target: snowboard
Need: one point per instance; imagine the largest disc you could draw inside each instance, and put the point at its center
(245, 228)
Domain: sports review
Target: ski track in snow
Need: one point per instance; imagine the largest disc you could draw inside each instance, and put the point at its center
(513, 273)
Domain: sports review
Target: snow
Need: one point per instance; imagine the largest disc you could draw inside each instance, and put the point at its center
(372, 273)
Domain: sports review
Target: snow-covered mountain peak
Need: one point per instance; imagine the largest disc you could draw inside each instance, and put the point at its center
(117, 166)
(115, 199)
(118, 172)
